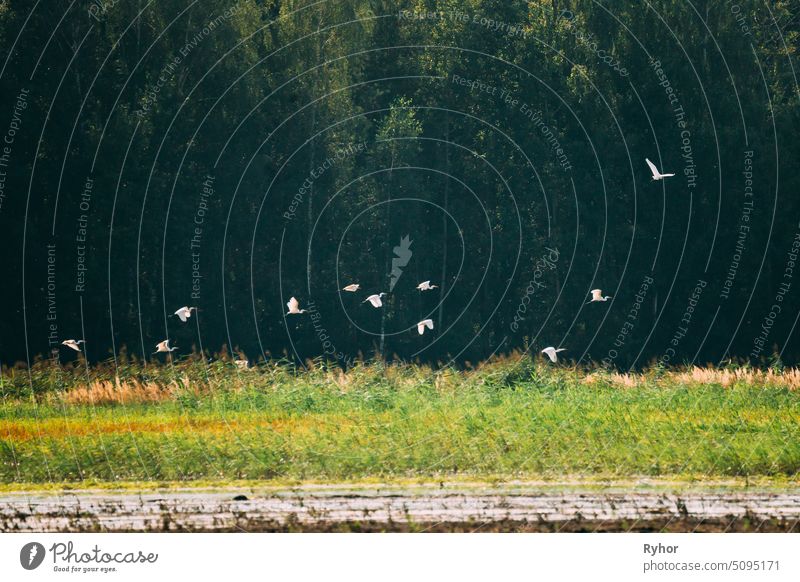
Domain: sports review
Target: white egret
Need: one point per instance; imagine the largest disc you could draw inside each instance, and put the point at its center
(353, 287)
(185, 313)
(426, 286)
(375, 299)
(423, 324)
(74, 344)
(552, 353)
(294, 307)
(656, 174)
(597, 295)
(164, 347)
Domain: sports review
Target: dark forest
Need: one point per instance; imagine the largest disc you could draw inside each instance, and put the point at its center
(230, 155)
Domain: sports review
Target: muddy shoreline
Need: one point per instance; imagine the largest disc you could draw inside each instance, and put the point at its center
(398, 509)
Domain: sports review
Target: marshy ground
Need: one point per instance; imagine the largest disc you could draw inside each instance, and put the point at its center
(512, 420)
(408, 507)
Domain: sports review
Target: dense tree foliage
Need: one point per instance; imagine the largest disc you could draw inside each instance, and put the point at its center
(232, 154)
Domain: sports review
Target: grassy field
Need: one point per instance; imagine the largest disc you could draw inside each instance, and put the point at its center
(509, 419)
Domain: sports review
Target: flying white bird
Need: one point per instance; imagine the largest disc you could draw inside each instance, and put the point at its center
(163, 347)
(426, 286)
(294, 307)
(656, 174)
(597, 295)
(185, 313)
(71, 343)
(242, 364)
(552, 353)
(352, 287)
(423, 324)
(375, 299)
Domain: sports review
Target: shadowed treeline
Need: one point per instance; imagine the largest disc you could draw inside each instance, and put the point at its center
(230, 155)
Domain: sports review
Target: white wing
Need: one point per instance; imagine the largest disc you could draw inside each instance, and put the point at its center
(551, 353)
(653, 168)
(423, 324)
(376, 300)
(293, 304)
(71, 344)
(182, 314)
(597, 294)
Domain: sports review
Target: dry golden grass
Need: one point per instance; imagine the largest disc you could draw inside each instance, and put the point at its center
(59, 428)
(788, 378)
(504, 369)
(131, 391)
(622, 380)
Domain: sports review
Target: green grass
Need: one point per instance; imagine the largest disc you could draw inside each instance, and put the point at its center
(510, 420)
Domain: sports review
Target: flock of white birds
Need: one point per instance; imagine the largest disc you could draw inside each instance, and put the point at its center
(184, 313)
(375, 300)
